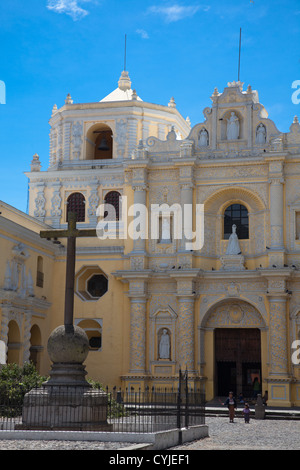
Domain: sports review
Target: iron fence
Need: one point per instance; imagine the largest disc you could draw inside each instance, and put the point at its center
(155, 410)
(110, 410)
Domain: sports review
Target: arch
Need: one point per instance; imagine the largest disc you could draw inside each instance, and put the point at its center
(232, 312)
(232, 336)
(35, 346)
(76, 203)
(113, 198)
(93, 330)
(13, 343)
(216, 202)
(99, 142)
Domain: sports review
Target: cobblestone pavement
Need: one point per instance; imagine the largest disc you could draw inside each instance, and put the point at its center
(60, 445)
(257, 435)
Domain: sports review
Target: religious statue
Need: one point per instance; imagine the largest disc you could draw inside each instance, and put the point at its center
(261, 134)
(233, 247)
(203, 138)
(164, 345)
(233, 127)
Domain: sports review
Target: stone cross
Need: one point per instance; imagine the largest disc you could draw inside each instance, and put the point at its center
(71, 234)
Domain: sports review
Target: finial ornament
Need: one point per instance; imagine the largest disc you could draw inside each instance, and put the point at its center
(68, 99)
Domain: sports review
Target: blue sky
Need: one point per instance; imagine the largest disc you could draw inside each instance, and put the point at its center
(180, 48)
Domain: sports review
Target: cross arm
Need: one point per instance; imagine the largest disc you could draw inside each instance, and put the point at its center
(68, 233)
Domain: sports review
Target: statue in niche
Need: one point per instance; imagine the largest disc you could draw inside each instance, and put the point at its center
(164, 345)
(203, 138)
(233, 247)
(233, 127)
(261, 134)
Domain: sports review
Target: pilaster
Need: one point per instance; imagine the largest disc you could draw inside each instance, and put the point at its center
(279, 380)
(276, 184)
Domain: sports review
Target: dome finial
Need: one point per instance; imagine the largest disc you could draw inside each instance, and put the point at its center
(124, 82)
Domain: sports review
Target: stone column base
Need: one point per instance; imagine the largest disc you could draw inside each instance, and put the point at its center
(279, 392)
(65, 408)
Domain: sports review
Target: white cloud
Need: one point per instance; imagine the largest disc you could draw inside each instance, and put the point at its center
(143, 33)
(176, 12)
(69, 7)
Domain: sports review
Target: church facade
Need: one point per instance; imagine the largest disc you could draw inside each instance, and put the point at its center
(226, 310)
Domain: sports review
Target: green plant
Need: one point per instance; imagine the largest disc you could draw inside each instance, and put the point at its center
(115, 409)
(15, 382)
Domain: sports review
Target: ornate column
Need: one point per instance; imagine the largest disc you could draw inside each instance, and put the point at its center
(186, 346)
(138, 335)
(249, 124)
(213, 136)
(139, 186)
(279, 380)
(56, 200)
(276, 181)
(26, 341)
(67, 140)
(40, 202)
(93, 202)
(186, 182)
(5, 309)
(278, 336)
(186, 325)
(132, 138)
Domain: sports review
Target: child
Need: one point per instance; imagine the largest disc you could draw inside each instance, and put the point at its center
(246, 412)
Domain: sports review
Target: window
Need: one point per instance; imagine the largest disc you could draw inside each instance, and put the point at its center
(113, 198)
(76, 203)
(91, 283)
(97, 286)
(39, 272)
(236, 214)
(93, 329)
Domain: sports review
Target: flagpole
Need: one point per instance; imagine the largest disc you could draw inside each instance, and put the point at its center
(239, 67)
(125, 53)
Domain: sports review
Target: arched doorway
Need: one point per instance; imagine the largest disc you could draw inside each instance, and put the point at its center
(237, 360)
(13, 343)
(35, 346)
(233, 329)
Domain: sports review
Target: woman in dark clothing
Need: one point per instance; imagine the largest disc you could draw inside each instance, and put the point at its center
(231, 404)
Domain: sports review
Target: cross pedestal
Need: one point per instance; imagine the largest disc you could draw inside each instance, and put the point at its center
(67, 400)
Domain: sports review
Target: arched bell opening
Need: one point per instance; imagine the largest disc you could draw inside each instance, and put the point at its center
(99, 142)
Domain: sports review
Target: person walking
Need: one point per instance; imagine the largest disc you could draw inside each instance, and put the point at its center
(231, 404)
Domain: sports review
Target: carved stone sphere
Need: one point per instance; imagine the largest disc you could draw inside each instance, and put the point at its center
(68, 344)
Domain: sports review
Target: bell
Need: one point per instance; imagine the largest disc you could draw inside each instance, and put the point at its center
(103, 145)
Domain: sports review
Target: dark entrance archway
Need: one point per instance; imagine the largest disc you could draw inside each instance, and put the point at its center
(238, 360)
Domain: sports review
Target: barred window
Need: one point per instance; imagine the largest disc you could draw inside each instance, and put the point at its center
(113, 198)
(236, 214)
(76, 203)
